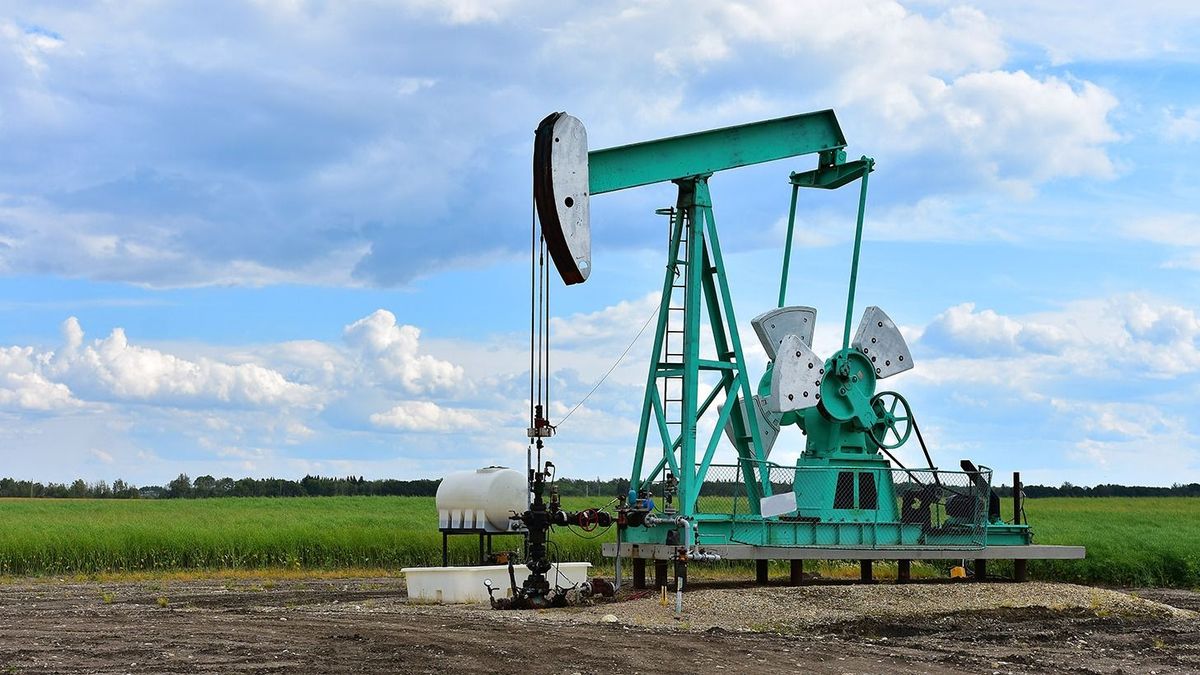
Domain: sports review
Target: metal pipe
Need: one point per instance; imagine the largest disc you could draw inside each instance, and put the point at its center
(862, 207)
(678, 593)
(787, 247)
(689, 539)
(617, 573)
(1018, 507)
(690, 553)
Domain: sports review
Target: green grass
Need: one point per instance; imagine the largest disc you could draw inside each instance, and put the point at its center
(83, 536)
(1131, 541)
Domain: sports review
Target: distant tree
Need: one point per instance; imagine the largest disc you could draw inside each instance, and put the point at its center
(123, 490)
(204, 486)
(180, 487)
(100, 489)
(78, 488)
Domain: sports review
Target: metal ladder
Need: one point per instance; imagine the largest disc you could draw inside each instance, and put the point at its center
(673, 338)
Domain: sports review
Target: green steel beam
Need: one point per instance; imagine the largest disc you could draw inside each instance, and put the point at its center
(787, 247)
(833, 176)
(664, 432)
(706, 152)
(858, 231)
(693, 198)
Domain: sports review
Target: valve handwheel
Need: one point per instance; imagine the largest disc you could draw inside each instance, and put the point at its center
(895, 423)
(588, 520)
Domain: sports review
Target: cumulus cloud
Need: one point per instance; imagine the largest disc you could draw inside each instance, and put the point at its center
(983, 332)
(1000, 119)
(424, 416)
(112, 368)
(392, 349)
(1126, 336)
(114, 405)
(928, 83)
(24, 387)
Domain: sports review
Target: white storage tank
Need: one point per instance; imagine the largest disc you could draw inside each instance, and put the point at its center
(481, 500)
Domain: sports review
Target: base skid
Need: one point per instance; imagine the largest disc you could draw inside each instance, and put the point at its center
(743, 552)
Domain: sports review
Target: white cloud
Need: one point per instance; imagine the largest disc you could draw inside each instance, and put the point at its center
(1001, 119)
(1179, 233)
(1124, 421)
(1171, 229)
(1183, 127)
(927, 83)
(1124, 336)
(112, 368)
(613, 324)
(32, 45)
(424, 416)
(406, 86)
(982, 333)
(24, 387)
(392, 349)
(1080, 30)
(101, 455)
(466, 11)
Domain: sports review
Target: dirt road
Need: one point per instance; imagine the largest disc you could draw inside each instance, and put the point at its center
(365, 625)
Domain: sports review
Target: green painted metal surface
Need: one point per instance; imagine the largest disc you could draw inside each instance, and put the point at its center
(707, 152)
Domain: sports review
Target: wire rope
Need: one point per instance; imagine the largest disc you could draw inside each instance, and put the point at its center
(611, 368)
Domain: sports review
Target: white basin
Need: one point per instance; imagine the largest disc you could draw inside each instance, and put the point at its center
(465, 584)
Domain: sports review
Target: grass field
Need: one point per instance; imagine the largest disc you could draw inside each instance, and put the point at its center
(1130, 541)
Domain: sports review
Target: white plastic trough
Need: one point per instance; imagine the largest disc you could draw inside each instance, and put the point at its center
(465, 584)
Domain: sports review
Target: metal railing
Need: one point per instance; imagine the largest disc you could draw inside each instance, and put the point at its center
(855, 507)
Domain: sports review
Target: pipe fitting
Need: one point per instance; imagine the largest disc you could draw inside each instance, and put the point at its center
(689, 537)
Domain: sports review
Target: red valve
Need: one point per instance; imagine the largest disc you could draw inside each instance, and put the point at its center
(588, 520)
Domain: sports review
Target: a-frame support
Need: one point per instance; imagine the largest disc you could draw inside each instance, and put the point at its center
(696, 253)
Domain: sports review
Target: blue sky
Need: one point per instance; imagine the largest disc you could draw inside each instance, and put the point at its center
(279, 237)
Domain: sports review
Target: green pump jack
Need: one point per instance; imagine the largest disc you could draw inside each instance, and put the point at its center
(847, 496)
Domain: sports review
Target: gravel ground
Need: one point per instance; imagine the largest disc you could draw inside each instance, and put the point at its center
(368, 626)
(793, 609)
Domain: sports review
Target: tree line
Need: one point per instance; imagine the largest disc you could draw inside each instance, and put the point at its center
(206, 487)
(1104, 490)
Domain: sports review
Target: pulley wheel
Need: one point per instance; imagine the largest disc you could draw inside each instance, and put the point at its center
(895, 423)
